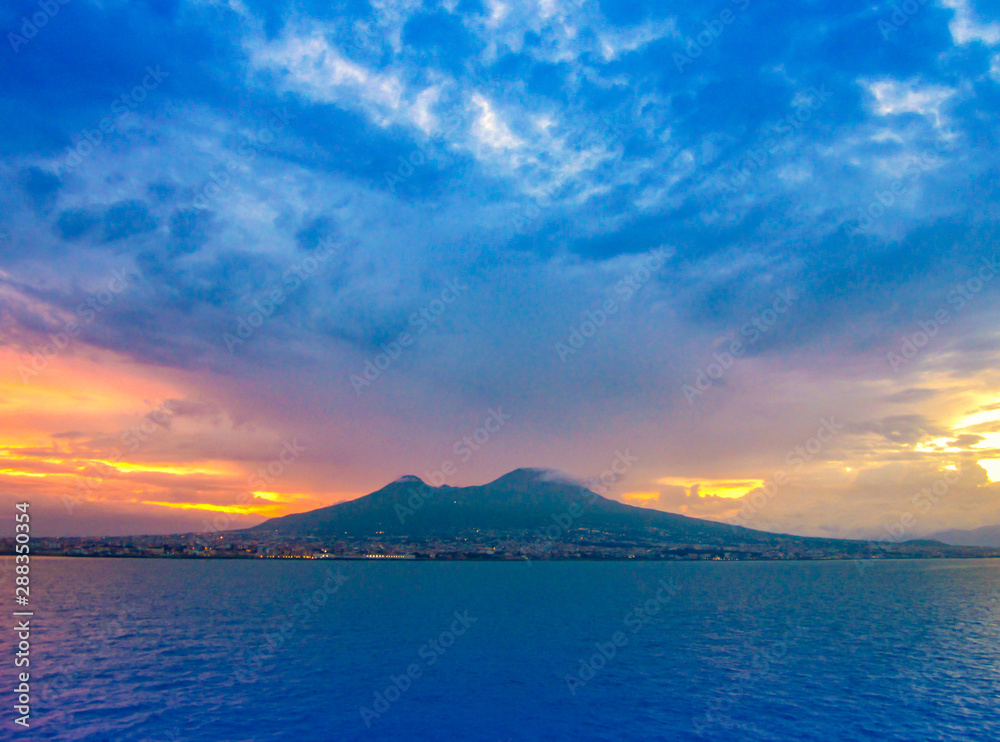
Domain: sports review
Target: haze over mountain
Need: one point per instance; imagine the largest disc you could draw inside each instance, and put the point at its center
(986, 536)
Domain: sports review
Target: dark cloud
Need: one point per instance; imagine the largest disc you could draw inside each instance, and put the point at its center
(903, 429)
(910, 396)
(189, 230)
(967, 440)
(73, 224)
(40, 187)
(125, 219)
(191, 408)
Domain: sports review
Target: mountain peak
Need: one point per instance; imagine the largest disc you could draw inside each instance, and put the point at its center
(519, 502)
(528, 475)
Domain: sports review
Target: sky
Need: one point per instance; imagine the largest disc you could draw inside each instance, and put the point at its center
(737, 258)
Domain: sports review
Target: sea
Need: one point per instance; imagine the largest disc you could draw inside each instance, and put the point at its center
(161, 650)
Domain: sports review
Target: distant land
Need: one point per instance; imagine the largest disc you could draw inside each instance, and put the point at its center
(526, 514)
(988, 536)
(552, 509)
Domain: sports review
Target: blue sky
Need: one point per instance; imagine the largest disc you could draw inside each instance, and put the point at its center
(688, 162)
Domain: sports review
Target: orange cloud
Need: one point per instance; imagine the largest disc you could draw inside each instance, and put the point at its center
(641, 495)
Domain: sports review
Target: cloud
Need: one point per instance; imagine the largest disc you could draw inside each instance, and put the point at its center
(893, 98)
(966, 27)
(535, 154)
(910, 396)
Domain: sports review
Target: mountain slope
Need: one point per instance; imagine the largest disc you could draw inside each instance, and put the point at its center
(523, 500)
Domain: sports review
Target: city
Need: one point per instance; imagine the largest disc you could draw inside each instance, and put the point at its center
(577, 544)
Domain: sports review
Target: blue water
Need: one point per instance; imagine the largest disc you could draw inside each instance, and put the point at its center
(160, 650)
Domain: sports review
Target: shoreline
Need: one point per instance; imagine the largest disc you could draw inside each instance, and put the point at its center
(410, 558)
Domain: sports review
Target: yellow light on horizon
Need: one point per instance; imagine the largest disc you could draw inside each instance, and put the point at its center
(728, 488)
(19, 473)
(978, 418)
(641, 495)
(938, 445)
(217, 469)
(8, 454)
(990, 440)
(237, 509)
(992, 467)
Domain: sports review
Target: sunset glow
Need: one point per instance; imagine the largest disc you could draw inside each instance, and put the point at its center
(682, 287)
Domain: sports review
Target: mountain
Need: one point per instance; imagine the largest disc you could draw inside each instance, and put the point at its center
(525, 500)
(988, 536)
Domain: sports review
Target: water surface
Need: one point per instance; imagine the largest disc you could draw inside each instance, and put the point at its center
(178, 650)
